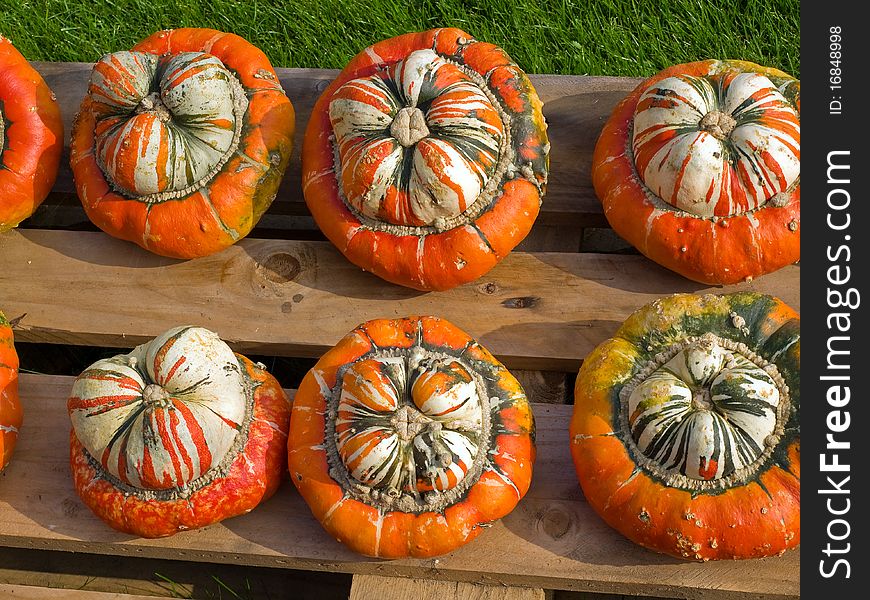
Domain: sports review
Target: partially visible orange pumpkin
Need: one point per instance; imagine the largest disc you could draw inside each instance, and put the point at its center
(10, 405)
(408, 438)
(181, 143)
(425, 161)
(31, 137)
(699, 169)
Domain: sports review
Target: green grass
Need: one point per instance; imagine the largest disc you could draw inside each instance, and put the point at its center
(595, 37)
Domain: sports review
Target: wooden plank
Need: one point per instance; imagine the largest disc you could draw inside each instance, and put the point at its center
(294, 298)
(553, 540)
(575, 108)
(32, 592)
(368, 587)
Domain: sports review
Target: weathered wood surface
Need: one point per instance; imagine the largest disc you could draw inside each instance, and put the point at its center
(575, 107)
(376, 587)
(553, 540)
(293, 298)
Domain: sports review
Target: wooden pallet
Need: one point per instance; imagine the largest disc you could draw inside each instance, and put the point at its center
(284, 291)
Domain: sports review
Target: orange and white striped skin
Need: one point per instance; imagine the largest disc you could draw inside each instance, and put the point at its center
(436, 176)
(153, 170)
(400, 395)
(31, 137)
(10, 404)
(146, 152)
(407, 238)
(398, 449)
(665, 190)
(180, 433)
(707, 173)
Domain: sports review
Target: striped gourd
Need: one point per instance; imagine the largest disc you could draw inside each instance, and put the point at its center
(699, 169)
(162, 417)
(425, 162)
(179, 420)
(164, 123)
(686, 433)
(408, 437)
(417, 143)
(180, 143)
(718, 145)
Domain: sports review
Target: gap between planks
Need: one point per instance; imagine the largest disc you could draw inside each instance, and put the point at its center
(552, 540)
(537, 311)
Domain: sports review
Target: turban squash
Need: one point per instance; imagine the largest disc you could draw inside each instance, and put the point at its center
(178, 434)
(699, 169)
(686, 434)
(408, 438)
(31, 137)
(10, 406)
(426, 160)
(180, 143)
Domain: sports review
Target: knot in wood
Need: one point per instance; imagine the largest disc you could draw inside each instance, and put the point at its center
(153, 103)
(718, 124)
(280, 268)
(409, 126)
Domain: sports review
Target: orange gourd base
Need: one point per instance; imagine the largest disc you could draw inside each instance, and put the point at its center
(428, 229)
(31, 137)
(10, 405)
(722, 249)
(408, 438)
(222, 205)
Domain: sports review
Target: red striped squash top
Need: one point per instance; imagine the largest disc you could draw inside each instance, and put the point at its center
(178, 434)
(164, 415)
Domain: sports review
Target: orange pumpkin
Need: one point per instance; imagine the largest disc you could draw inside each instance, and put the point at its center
(31, 137)
(181, 143)
(408, 438)
(425, 161)
(178, 434)
(10, 406)
(686, 427)
(699, 169)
